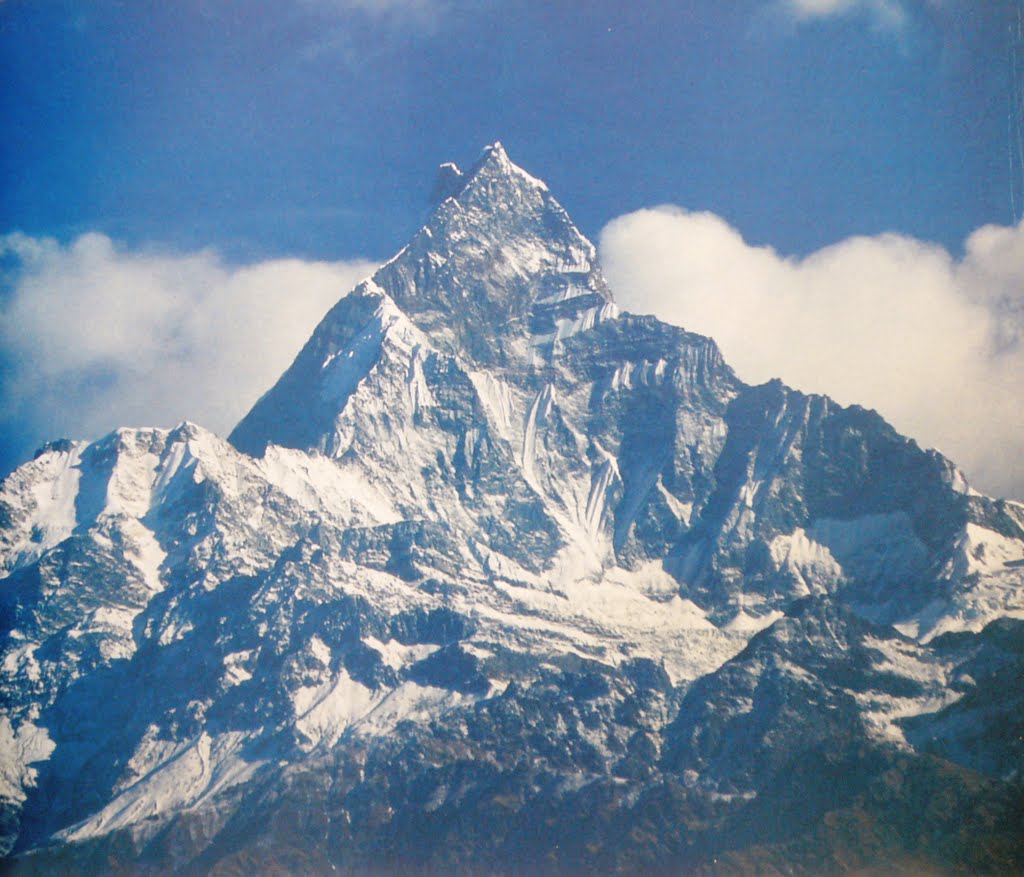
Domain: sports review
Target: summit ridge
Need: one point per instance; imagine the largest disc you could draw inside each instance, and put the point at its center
(499, 580)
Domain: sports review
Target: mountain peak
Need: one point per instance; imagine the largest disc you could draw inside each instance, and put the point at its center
(516, 587)
(495, 149)
(492, 168)
(495, 182)
(495, 256)
(499, 277)
(495, 163)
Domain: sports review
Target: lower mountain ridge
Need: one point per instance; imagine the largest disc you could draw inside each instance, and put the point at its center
(498, 580)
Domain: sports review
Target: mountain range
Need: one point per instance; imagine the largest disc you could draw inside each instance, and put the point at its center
(497, 579)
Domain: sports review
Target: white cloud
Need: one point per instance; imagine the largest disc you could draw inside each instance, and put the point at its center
(934, 343)
(101, 337)
(885, 14)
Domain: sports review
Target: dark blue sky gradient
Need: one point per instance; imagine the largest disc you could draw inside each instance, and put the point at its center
(300, 128)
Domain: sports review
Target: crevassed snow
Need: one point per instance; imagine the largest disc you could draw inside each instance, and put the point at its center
(971, 607)
(987, 575)
(882, 547)
(610, 615)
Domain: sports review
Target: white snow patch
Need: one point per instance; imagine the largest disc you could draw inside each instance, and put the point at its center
(173, 462)
(20, 748)
(498, 401)
(320, 650)
(744, 622)
(325, 712)
(326, 486)
(21, 661)
(410, 702)
(602, 483)
(644, 373)
(419, 395)
(882, 711)
(174, 631)
(236, 667)
(144, 552)
(806, 559)
(130, 487)
(539, 410)
(682, 511)
(190, 774)
(46, 488)
(985, 551)
(398, 656)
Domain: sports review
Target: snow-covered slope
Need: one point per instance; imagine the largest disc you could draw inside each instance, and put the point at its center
(494, 579)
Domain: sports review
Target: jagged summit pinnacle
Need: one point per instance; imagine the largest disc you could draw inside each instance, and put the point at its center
(492, 166)
(497, 252)
(494, 162)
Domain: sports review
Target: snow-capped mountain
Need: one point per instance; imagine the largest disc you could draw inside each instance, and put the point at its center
(497, 579)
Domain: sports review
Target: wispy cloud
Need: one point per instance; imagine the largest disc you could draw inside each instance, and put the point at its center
(351, 30)
(98, 336)
(885, 14)
(413, 12)
(935, 343)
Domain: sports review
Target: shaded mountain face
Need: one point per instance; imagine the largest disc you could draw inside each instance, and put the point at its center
(496, 579)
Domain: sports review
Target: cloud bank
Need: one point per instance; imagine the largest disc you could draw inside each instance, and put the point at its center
(93, 336)
(96, 337)
(934, 343)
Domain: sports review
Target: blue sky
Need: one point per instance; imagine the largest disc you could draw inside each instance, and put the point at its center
(222, 156)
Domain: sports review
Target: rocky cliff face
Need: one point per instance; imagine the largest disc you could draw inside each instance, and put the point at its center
(499, 580)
